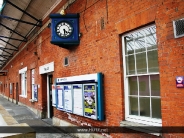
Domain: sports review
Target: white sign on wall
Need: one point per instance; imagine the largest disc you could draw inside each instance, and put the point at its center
(46, 68)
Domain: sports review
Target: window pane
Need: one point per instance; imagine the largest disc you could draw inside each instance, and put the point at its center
(139, 42)
(129, 46)
(153, 61)
(155, 85)
(133, 89)
(156, 107)
(144, 85)
(145, 107)
(141, 63)
(23, 83)
(151, 41)
(130, 63)
(133, 105)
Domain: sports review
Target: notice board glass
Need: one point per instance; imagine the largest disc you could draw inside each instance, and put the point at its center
(35, 87)
(53, 95)
(77, 99)
(67, 98)
(60, 97)
(90, 102)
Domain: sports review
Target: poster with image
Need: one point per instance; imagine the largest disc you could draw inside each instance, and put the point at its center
(60, 97)
(67, 98)
(89, 101)
(77, 99)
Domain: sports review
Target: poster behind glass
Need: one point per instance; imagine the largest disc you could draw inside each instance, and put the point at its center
(53, 95)
(77, 99)
(60, 97)
(67, 98)
(89, 100)
(35, 87)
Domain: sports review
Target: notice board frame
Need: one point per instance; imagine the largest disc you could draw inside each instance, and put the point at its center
(97, 79)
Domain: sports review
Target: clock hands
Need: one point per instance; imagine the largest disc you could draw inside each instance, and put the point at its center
(65, 32)
(64, 29)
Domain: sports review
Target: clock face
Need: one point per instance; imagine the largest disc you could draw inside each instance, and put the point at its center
(64, 29)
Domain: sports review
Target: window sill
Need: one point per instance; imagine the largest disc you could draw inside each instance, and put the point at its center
(23, 96)
(153, 130)
(32, 100)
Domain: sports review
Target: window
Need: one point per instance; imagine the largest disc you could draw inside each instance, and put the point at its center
(34, 86)
(141, 75)
(10, 88)
(24, 84)
(32, 82)
(23, 81)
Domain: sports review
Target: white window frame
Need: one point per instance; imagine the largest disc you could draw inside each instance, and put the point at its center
(135, 118)
(23, 81)
(11, 88)
(32, 82)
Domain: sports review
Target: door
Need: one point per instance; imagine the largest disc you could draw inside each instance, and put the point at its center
(50, 82)
(17, 93)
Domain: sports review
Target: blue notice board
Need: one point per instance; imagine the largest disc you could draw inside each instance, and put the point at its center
(81, 95)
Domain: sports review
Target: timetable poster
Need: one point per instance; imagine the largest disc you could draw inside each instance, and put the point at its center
(53, 95)
(77, 99)
(90, 101)
(67, 98)
(60, 96)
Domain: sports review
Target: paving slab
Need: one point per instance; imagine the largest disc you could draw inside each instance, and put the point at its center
(22, 114)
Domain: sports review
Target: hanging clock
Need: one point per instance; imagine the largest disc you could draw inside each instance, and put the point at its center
(65, 30)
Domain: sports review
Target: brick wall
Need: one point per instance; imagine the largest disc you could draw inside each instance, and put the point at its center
(100, 51)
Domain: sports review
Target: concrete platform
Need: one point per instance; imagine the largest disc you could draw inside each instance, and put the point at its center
(22, 114)
(7, 122)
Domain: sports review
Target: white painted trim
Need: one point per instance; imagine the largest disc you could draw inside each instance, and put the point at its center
(22, 70)
(48, 98)
(24, 96)
(125, 81)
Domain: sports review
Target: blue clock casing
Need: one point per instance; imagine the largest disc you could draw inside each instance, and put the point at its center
(65, 30)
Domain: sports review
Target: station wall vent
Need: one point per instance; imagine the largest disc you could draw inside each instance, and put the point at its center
(178, 26)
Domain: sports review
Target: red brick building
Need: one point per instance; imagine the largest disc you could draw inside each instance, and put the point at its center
(131, 42)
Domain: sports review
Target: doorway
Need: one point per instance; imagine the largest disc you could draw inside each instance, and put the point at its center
(49, 95)
(17, 93)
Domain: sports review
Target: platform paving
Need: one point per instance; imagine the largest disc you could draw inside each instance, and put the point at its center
(22, 114)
